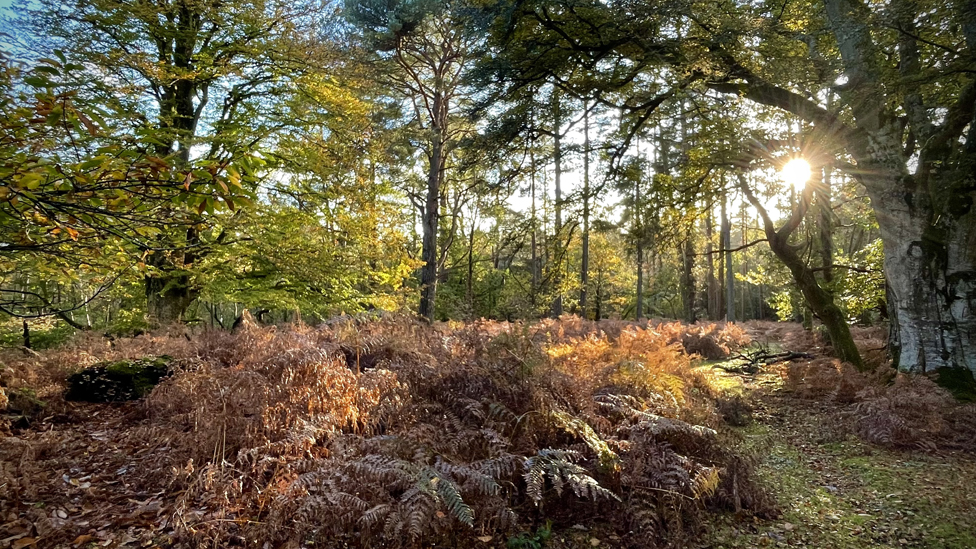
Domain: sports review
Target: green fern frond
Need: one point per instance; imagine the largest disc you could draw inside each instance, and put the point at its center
(451, 499)
(558, 468)
(609, 460)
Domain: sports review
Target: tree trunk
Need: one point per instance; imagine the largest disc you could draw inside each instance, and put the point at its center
(169, 288)
(640, 281)
(826, 223)
(585, 264)
(469, 285)
(535, 233)
(638, 221)
(557, 156)
(712, 285)
(599, 295)
(726, 239)
(168, 297)
(819, 300)
(687, 251)
(931, 275)
(431, 214)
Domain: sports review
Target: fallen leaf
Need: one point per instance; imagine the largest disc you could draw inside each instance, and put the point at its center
(23, 542)
(5, 541)
(484, 539)
(82, 539)
(594, 542)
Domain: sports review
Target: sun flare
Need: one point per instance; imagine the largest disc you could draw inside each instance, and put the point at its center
(796, 172)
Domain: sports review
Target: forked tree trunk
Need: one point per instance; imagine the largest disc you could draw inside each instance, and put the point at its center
(819, 300)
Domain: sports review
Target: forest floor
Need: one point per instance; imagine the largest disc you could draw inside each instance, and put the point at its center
(79, 478)
(835, 490)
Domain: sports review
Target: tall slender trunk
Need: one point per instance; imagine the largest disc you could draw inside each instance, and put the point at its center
(726, 238)
(469, 283)
(535, 231)
(557, 159)
(639, 314)
(640, 251)
(712, 284)
(431, 214)
(599, 294)
(585, 265)
(687, 251)
(825, 222)
(744, 263)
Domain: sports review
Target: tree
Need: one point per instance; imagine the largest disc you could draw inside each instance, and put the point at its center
(902, 124)
(190, 80)
(78, 199)
(430, 48)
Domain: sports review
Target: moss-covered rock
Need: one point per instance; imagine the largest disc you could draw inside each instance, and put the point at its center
(118, 381)
(23, 401)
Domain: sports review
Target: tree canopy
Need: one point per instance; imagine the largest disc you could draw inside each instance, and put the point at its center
(518, 159)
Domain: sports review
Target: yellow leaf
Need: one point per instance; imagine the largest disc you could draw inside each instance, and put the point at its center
(31, 180)
(157, 162)
(89, 125)
(23, 542)
(82, 539)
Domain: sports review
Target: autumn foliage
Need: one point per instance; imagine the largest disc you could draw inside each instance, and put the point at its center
(395, 433)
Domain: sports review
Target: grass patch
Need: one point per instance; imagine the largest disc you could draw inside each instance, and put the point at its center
(850, 495)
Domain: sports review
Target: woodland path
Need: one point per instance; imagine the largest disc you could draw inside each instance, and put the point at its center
(834, 490)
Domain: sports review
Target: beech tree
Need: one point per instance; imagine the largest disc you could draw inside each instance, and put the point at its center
(191, 78)
(901, 123)
(78, 202)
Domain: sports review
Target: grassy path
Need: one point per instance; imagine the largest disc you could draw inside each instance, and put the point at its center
(835, 491)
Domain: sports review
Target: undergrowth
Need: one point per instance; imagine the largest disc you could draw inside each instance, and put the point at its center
(880, 405)
(394, 433)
